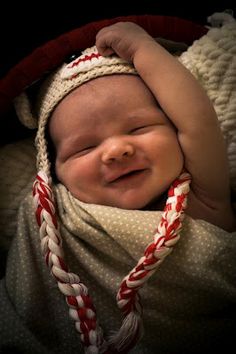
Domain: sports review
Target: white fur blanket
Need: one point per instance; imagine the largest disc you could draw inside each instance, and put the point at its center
(212, 60)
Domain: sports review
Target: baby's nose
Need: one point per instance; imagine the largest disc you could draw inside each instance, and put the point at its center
(117, 149)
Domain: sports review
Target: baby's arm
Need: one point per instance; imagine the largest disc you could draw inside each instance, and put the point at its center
(188, 107)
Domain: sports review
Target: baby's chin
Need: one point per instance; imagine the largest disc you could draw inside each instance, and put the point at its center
(157, 203)
(129, 202)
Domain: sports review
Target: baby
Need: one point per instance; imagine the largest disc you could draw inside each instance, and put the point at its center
(122, 140)
(128, 124)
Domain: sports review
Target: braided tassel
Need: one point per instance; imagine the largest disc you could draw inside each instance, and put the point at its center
(165, 237)
(81, 308)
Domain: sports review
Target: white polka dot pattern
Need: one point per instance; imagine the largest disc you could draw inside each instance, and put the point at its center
(189, 303)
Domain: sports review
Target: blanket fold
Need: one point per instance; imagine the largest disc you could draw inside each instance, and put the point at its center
(189, 303)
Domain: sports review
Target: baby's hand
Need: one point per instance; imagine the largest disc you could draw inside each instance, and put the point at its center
(122, 38)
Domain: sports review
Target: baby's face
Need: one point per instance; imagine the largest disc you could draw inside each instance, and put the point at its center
(114, 146)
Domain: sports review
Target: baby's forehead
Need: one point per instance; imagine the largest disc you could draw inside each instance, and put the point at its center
(104, 81)
(109, 89)
(110, 84)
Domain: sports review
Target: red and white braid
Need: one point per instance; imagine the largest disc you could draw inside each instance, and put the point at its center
(80, 304)
(81, 308)
(165, 237)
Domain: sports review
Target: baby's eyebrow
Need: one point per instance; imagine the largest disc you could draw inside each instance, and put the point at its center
(65, 146)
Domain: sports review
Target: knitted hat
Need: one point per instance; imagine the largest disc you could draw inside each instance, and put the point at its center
(88, 66)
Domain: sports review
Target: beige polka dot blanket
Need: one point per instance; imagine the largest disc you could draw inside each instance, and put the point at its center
(189, 303)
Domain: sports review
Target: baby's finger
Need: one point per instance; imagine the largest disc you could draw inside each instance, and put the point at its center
(104, 51)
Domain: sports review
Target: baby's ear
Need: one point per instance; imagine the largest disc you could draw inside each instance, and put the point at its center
(173, 47)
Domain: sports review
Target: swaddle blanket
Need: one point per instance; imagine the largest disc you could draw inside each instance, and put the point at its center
(189, 303)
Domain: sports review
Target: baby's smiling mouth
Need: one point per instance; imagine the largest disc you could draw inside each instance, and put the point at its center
(128, 176)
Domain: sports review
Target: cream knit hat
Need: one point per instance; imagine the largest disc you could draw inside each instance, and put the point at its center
(60, 83)
(88, 66)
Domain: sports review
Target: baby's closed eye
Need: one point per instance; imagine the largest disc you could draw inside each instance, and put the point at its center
(84, 150)
(143, 129)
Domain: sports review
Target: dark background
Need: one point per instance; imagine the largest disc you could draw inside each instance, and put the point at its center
(26, 25)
